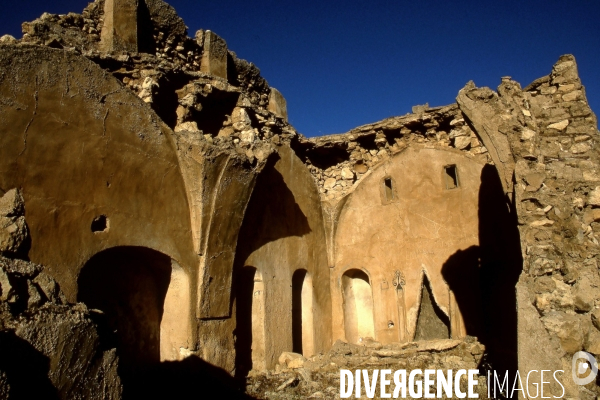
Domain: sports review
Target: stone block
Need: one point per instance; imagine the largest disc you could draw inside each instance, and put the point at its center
(120, 30)
(559, 126)
(568, 330)
(572, 96)
(347, 173)
(291, 360)
(594, 197)
(580, 148)
(585, 295)
(593, 342)
(596, 318)
(420, 108)
(462, 142)
(214, 57)
(277, 104)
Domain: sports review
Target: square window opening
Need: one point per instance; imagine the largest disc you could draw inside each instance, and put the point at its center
(451, 177)
(389, 190)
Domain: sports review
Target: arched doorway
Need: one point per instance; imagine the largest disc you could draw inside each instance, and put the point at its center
(302, 313)
(432, 323)
(250, 321)
(358, 305)
(144, 297)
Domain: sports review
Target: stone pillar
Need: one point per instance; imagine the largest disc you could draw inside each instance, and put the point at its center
(277, 104)
(120, 30)
(214, 57)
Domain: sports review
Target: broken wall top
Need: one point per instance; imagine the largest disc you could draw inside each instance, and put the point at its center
(195, 85)
(161, 42)
(339, 162)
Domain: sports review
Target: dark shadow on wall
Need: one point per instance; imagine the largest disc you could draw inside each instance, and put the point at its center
(490, 313)
(243, 282)
(129, 285)
(462, 273)
(272, 214)
(501, 265)
(25, 369)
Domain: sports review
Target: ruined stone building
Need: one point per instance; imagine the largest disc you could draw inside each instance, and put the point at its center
(154, 178)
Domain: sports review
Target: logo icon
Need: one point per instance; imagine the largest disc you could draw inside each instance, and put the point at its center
(584, 368)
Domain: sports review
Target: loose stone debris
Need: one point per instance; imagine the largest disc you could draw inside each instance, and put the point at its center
(163, 226)
(318, 377)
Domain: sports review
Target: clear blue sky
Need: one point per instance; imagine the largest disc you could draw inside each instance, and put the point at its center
(341, 64)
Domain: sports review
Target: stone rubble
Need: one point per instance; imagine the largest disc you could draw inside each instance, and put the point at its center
(48, 346)
(544, 140)
(318, 377)
(339, 162)
(13, 229)
(180, 77)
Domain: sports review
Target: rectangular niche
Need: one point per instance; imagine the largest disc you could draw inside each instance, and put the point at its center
(451, 177)
(388, 191)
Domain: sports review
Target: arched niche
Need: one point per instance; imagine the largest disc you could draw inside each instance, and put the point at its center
(358, 305)
(144, 298)
(250, 320)
(302, 313)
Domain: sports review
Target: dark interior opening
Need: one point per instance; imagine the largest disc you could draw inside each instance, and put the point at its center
(297, 282)
(145, 29)
(165, 100)
(389, 190)
(432, 323)
(243, 281)
(367, 142)
(100, 224)
(391, 135)
(451, 176)
(216, 106)
(417, 127)
(326, 157)
(129, 285)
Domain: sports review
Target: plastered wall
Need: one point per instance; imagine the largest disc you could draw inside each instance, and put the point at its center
(414, 232)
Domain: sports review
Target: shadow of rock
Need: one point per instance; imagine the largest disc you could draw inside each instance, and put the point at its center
(191, 378)
(483, 278)
(25, 369)
(462, 273)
